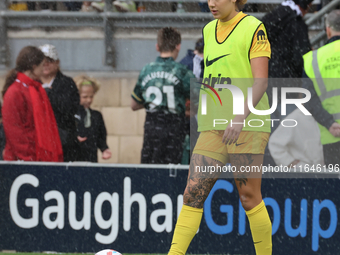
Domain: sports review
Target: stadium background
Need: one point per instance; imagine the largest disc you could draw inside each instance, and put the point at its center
(113, 48)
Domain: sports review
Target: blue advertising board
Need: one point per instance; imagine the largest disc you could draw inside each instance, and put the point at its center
(133, 209)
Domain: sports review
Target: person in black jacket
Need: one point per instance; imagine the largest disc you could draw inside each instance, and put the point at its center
(315, 106)
(64, 98)
(91, 127)
(194, 59)
(288, 36)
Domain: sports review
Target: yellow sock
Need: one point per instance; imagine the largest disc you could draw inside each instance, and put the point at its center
(186, 227)
(261, 229)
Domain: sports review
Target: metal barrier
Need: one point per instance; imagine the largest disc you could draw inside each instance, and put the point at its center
(319, 17)
(108, 21)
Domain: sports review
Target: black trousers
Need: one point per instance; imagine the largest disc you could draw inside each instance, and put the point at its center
(331, 153)
(163, 139)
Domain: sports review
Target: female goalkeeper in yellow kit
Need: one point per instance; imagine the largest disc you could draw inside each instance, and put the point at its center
(236, 52)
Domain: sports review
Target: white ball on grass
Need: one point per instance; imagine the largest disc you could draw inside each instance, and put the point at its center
(108, 252)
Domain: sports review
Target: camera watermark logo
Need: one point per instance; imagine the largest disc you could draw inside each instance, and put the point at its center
(239, 99)
(205, 89)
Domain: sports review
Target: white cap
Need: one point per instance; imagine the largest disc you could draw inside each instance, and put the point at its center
(49, 51)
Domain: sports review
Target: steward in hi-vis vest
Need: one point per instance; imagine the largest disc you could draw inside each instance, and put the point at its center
(228, 62)
(322, 66)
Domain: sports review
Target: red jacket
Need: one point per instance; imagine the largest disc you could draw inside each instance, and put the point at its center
(29, 123)
(18, 122)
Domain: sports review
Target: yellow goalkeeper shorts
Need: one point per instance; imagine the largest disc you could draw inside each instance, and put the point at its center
(209, 144)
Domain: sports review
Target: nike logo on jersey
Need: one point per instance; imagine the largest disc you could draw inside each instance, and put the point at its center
(209, 63)
(238, 144)
(257, 242)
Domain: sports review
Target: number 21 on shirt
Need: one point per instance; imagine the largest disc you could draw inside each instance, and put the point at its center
(168, 90)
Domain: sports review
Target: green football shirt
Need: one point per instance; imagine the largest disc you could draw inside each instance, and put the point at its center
(163, 86)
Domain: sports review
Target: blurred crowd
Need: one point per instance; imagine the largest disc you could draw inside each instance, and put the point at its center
(86, 6)
(99, 6)
(124, 6)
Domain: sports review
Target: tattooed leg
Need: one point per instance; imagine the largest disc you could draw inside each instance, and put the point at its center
(248, 180)
(198, 187)
(200, 182)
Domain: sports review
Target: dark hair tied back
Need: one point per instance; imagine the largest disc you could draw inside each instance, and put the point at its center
(28, 57)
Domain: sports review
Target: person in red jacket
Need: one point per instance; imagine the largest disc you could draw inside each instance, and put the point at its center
(30, 127)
